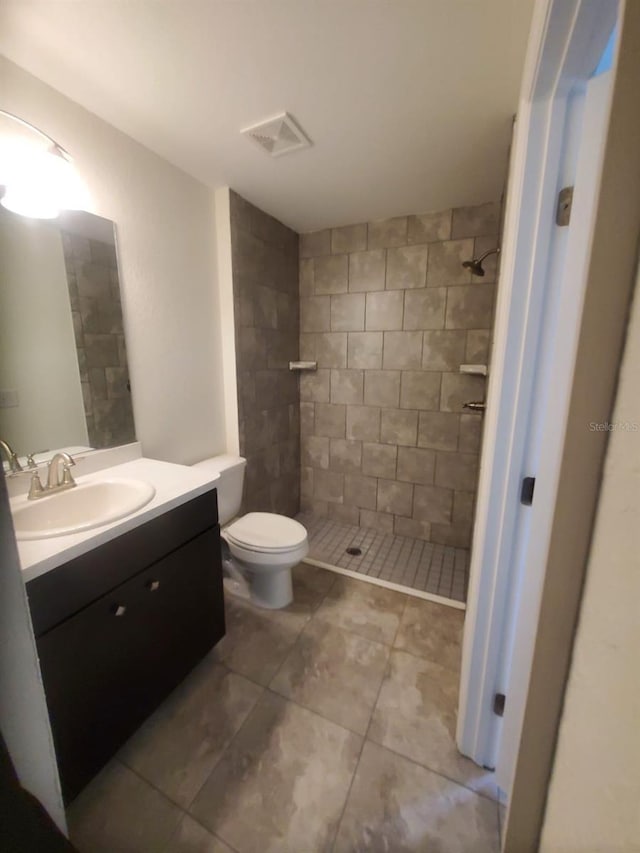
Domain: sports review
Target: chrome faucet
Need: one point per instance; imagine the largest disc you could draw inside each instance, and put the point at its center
(14, 464)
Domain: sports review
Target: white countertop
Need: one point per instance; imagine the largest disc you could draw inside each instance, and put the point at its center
(174, 485)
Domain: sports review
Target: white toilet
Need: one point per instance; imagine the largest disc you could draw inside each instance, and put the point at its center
(264, 546)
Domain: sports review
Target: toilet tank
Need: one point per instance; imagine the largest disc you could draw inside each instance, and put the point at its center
(229, 486)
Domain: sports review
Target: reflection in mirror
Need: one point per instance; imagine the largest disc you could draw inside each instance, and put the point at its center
(64, 380)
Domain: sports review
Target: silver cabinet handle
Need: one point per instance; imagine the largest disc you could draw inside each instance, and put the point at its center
(152, 586)
(475, 406)
(118, 609)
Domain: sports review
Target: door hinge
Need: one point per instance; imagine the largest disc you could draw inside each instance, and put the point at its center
(563, 210)
(526, 492)
(498, 704)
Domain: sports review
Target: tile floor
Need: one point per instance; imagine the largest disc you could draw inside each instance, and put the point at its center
(327, 726)
(438, 569)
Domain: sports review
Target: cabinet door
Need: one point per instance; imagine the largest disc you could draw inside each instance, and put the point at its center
(106, 668)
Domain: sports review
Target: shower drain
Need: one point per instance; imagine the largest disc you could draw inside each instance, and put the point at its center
(354, 552)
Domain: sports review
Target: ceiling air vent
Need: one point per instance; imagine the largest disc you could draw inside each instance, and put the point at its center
(278, 135)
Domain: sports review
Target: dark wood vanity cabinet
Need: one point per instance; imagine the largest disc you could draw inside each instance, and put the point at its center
(109, 661)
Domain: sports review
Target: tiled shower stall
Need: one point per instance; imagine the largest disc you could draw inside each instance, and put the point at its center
(389, 314)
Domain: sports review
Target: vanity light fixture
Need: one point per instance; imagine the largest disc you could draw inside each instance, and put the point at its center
(39, 179)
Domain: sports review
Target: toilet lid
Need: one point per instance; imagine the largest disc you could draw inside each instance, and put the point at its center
(266, 531)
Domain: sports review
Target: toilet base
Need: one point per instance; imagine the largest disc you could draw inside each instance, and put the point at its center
(271, 590)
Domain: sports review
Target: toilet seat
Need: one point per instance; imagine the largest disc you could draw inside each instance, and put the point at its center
(266, 532)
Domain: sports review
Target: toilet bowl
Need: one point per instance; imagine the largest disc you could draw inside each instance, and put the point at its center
(263, 546)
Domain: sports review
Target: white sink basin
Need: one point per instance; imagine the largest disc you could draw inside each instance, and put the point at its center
(85, 506)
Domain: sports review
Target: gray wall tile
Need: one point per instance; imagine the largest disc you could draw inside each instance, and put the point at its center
(330, 274)
(470, 307)
(395, 497)
(402, 350)
(399, 427)
(430, 227)
(470, 433)
(376, 520)
(384, 311)
(363, 423)
(477, 221)
(433, 504)
(315, 314)
(457, 471)
(365, 350)
(350, 238)
(407, 267)
(416, 465)
(425, 308)
(382, 388)
(360, 491)
(477, 349)
(330, 420)
(367, 270)
(412, 527)
(438, 430)
(389, 314)
(420, 390)
(328, 486)
(443, 350)
(267, 280)
(445, 263)
(388, 232)
(347, 386)
(347, 312)
(346, 514)
(306, 277)
(345, 455)
(330, 349)
(315, 386)
(315, 243)
(315, 451)
(379, 460)
(459, 388)
(307, 418)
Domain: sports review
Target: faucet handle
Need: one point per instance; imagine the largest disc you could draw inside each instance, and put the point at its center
(36, 489)
(31, 462)
(67, 477)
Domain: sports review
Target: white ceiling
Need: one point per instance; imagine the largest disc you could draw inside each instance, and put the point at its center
(408, 102)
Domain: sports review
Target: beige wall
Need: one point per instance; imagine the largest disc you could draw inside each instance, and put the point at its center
(594, 795)
(389, 314)
(265, 294)
(165, 227)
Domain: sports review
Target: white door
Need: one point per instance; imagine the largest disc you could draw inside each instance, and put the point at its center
(559, 135)
(584, 137)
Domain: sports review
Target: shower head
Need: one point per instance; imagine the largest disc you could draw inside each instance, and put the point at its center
(475, 264)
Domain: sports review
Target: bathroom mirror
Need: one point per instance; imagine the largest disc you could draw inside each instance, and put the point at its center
(64, 380)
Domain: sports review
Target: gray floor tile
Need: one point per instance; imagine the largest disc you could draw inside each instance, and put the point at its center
(396, 805)
(368, 610)
(178, 746)
(191, 837)
(415, 715)
(257, 641)
(281, 785)
(118, 811)
(335, 673)
(431, 631)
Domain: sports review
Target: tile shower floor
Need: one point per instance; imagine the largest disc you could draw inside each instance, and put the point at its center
(326, 726)
(436, 569)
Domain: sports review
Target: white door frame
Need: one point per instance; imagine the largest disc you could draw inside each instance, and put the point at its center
(567, 39)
